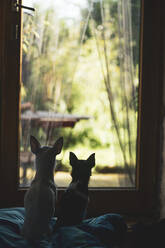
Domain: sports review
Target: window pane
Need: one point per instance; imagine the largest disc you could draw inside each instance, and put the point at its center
(80, 79)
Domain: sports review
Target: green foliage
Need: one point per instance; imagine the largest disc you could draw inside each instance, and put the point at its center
(66, 72)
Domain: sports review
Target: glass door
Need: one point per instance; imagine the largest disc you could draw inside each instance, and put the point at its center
(80, 80)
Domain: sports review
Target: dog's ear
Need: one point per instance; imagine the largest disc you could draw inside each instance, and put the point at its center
(34, 144)
(73, 159)
(58, 145)
(91, 160)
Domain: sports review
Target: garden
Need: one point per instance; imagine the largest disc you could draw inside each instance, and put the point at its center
(81, 59)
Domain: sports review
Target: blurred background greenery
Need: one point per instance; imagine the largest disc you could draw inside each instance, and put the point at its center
(82, 57)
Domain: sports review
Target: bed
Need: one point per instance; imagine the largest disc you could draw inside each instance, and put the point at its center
(101, 232)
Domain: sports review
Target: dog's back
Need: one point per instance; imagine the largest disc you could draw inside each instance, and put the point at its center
(73, 206)
(39, 204)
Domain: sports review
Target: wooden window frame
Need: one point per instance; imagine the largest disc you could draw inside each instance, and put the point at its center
(140, 201)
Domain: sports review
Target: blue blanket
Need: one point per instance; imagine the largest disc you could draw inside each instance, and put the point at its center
(100, 232)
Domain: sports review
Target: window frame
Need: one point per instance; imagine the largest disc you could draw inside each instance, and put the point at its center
(140, 201)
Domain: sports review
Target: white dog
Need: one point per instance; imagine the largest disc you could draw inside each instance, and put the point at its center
(39, 201)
